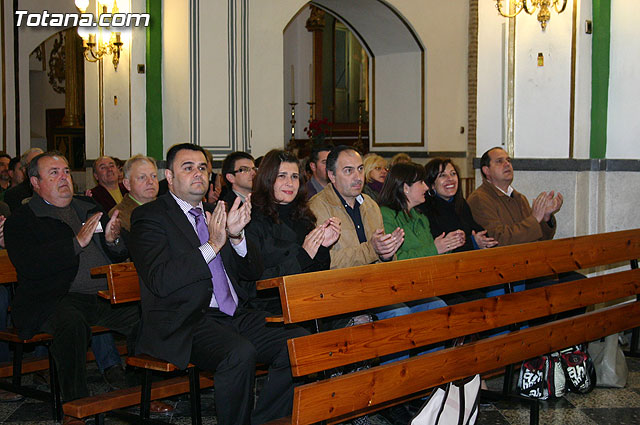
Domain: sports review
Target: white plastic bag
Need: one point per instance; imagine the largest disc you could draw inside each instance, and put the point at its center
(456, 404)
(609, 361)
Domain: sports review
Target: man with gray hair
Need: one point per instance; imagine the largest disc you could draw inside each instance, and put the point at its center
(54, 241)
(141, 180)
(15, 195)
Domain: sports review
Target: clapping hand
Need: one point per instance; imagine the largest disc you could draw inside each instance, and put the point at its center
(331, 228)
(217, 223)
(88, 229)
(540, 206)
(386, 245)
(238, 217)
(112, 232)
(450, 241)
(2, 220)
(553, 205)
(482, 240)
(313, 240)
(214, 190)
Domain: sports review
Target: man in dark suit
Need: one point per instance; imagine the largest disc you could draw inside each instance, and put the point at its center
(192, 307)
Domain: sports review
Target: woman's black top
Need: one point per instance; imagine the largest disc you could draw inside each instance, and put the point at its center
(280, 245)
(443, 217)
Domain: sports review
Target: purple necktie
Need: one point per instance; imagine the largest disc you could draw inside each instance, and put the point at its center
(221, 290)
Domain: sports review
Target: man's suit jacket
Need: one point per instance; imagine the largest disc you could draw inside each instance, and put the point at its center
(176, 287)
(508, 219)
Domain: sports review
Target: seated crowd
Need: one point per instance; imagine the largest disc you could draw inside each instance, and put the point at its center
(200, 241)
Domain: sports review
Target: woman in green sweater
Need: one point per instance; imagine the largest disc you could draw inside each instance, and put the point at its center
(403, 190)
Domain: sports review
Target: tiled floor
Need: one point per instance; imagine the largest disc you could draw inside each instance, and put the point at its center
(601, 407)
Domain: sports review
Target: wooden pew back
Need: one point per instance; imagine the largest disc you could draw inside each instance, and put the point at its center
(7, 271)
(122, 279)
(324, 294)
(336, 292)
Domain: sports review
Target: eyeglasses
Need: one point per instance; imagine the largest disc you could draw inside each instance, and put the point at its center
(381, 168)
(246, 170)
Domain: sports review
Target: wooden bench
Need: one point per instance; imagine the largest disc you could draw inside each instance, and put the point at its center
(18, 366)
(346, 291)
(124, 287)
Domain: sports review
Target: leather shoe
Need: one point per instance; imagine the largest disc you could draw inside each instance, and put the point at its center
(70, 420)
(115, 377)
(158, 406)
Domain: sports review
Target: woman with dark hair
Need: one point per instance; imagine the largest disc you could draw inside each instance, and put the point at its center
(282, 225)
(446, 208)
(447, 211)
(404, 190)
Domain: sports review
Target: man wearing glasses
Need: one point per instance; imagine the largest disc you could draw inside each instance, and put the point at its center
(238, 171)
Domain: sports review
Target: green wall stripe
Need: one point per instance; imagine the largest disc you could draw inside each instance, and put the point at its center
(600, 77)
(154, 80)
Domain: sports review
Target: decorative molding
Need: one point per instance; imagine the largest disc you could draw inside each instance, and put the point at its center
(246, 127)
(472, 83)
(239, 136)
(511, 85)
(56, 72)
(4, 77)
(231, 71)
(194, 70)
(562, 164)
(572, 98)
(16, 76)
(423, 154)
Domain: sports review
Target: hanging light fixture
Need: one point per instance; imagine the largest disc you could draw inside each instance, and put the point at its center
(530, 6)
(107, 41)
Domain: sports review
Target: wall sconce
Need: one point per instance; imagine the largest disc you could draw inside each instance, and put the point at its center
(530, 6)
(105, 41)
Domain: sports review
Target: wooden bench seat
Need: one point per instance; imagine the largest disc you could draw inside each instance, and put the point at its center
(127, 397)
(36, 364)
(18, 366)
(124, 287)
(348, 291)
(11, 335)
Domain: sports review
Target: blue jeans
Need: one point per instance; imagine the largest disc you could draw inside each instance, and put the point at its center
(494, 291)
(104, 348)
(402, 309)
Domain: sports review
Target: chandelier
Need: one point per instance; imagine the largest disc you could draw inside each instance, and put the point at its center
(106, 41)
(530, 6)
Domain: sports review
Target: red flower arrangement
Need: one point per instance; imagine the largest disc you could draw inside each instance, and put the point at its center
(318, 130)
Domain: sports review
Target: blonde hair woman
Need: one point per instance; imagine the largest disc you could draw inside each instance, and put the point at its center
(375, 173)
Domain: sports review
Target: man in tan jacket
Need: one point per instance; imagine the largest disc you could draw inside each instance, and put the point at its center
(504, 212)
(363, 240)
